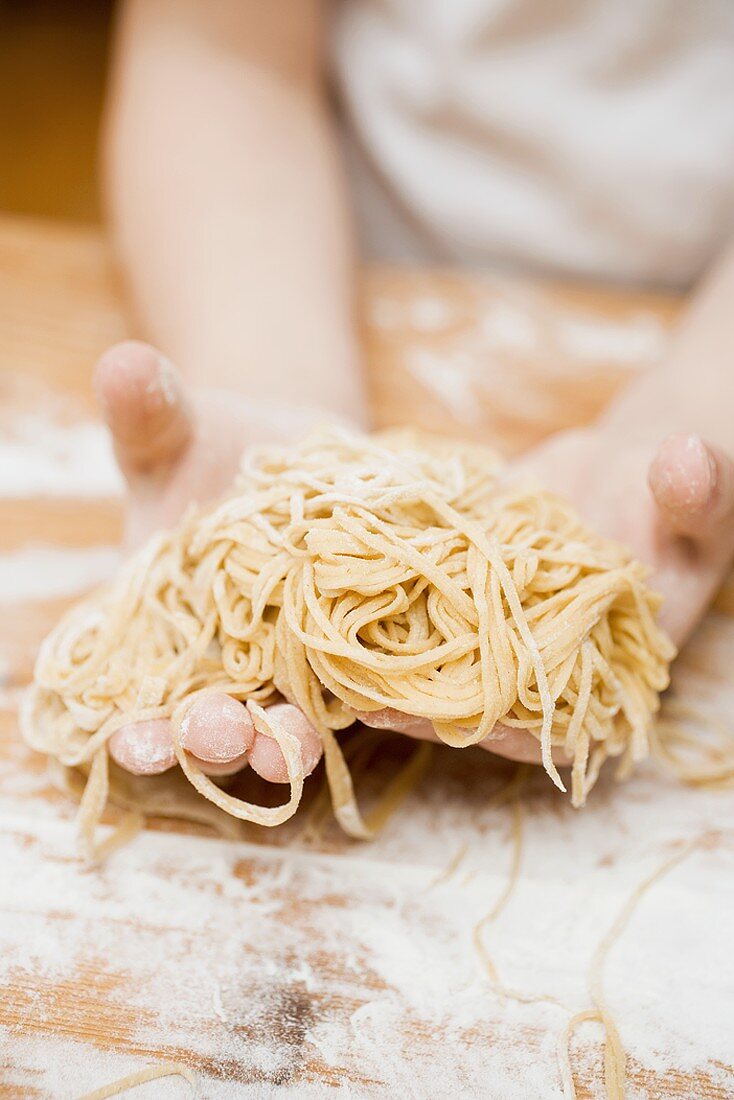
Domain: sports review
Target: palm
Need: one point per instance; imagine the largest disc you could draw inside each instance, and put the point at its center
(201, 471)
(607, 480)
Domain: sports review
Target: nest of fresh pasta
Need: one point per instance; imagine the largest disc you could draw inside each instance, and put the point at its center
(348, 574)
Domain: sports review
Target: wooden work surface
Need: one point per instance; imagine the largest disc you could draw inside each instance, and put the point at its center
(285, 966)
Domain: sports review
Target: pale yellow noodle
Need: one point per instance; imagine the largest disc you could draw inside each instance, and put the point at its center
(132, 1080)
(350, 573)
(451, 867)
(511, 791)
(614, 1056)
(399, 787)
(504, 897)
(699, 759)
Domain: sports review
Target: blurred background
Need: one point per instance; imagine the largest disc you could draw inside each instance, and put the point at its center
(471, 364)
(53, 58)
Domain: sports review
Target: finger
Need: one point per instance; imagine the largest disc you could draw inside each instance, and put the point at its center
(143, 748)
(388, 718)
(222, 731)
(265, 756)
(693, 486)
(142, 400)
(217, 730)
(230, 767)
(520, 745)
(504, 741)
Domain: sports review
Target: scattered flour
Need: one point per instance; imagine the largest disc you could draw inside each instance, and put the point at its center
(522, 322)
(249, 972)
(431, 314)
(449, 376)
(41, 458)
(37, 572)
(504, 325)
(638, 339)
(386, 314)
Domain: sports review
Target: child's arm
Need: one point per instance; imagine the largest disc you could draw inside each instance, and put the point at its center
(693, 389)
(656, 472)
(226, 198)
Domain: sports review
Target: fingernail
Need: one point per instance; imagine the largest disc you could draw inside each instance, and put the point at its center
(686, 474)
(217, 729)
(696, 475)
(165, 381)
(703, 470)
(143, 748)
(266, 757)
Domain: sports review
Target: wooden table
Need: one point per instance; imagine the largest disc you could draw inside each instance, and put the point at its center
(285, 966)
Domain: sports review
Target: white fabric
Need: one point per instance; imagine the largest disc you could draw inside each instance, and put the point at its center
(590, 137)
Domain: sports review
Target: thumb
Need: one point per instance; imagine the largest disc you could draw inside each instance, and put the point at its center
(142, 400)
(693, 486)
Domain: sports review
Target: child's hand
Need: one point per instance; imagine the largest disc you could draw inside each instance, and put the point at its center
(670, 503)
(172, 453)
(174, 447)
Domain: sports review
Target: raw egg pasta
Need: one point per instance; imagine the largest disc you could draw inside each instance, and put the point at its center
(351, 573)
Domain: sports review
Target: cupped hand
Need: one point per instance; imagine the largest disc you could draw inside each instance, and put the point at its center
(670, 501)
(175, 446)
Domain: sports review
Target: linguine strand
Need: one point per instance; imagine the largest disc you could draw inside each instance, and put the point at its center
(615, 1059)
(141, 1077)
